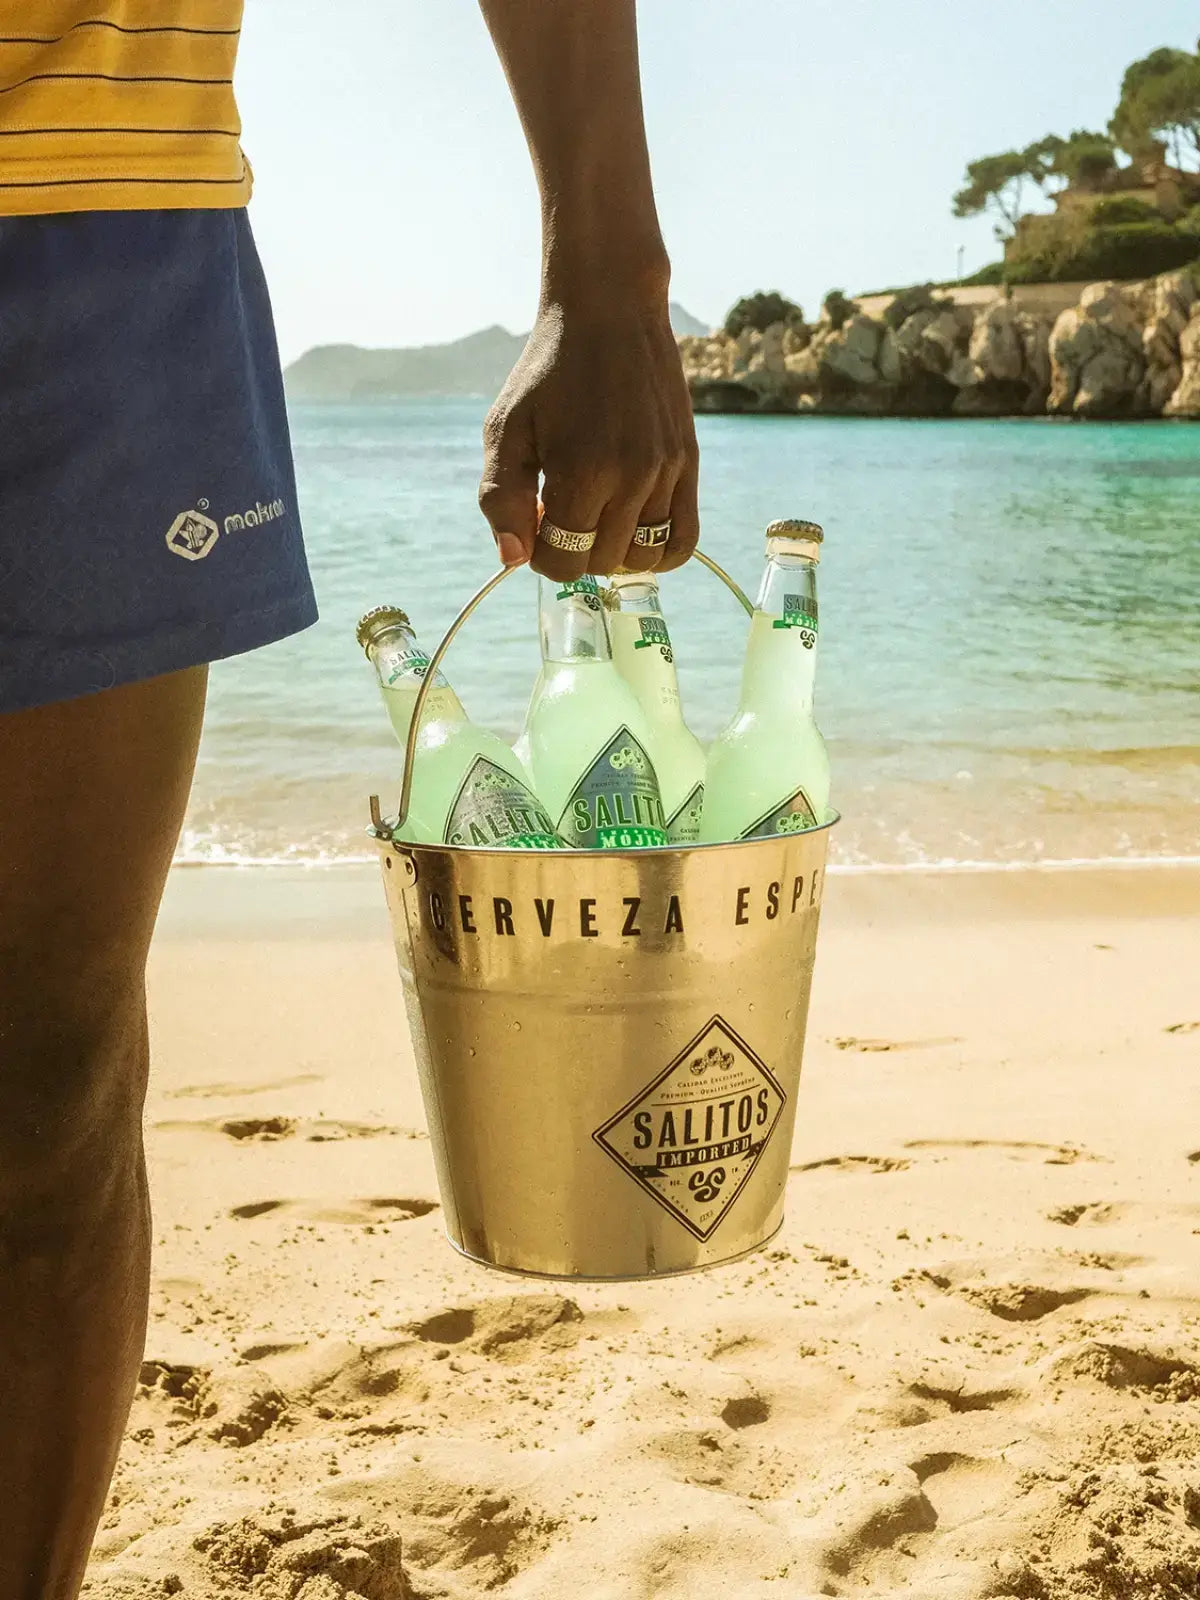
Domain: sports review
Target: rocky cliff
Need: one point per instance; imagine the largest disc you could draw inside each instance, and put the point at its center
(1126, 350)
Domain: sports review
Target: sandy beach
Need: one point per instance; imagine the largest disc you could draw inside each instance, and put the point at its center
(968, 1366)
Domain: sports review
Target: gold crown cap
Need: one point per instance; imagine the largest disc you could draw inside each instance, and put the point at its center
(796, 528)
(377, 618)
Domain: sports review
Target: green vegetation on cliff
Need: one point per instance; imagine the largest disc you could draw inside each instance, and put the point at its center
(1112, 219)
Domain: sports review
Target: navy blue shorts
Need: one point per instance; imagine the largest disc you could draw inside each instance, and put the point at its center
(148, 516)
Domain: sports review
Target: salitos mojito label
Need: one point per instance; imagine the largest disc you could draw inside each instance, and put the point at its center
(412, 664)
(799, 611)
(585, 586)
(494, 808)
(793, 816)
(684, 826)
(654, 632)
(616, 804)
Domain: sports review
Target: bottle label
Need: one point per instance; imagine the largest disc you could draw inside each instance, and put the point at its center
(800, 611)
(793, 816)
(412, 664)
(494, 808)
(616, 804)
(654, 632)
(684, 826)
(586, 587)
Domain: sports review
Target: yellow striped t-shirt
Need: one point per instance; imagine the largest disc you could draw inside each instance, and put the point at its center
(119, 105)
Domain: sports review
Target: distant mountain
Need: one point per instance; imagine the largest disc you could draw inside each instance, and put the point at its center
(684, 323)
(476, 365)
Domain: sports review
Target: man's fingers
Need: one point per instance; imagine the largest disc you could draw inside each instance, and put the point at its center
(685, 516)
(508, 491)
(618, 523)
(571, 515)
(653, 511)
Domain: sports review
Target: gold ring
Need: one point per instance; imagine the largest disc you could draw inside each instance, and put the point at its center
(653, 534)
(564, 538)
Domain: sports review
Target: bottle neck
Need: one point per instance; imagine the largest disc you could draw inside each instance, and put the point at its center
(782, 660)
(401, 667)
(571, 621)
(642, 647)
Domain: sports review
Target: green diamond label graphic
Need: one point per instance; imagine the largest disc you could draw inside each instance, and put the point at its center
(493, 808)
(793, 816)
(616, 804)
(696, 1133)
(684, 826)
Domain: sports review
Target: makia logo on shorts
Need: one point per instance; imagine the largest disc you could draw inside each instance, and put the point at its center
(192, 535)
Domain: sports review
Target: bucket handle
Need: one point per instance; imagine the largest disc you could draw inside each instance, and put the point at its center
(435, 661)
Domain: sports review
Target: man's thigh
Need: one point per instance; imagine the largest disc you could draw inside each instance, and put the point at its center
(92, 797)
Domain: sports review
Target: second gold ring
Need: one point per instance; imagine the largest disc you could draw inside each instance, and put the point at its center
(652, 535)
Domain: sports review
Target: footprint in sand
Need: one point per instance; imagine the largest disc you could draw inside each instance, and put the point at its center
(877, 1045)
(203, 1091)
(267, 1130)
(1163, 1376)
(745, 1411)
(350, 1212)
(1094, 1213)
(234, 1407)
(1020, 1302)
(1099, 1213)
(893, 1511)
(1054, 1155)
(958, 1399)
(855, 1164)
(330, 1132)
(1007, 1288)
(490, 1325)
(325, 1131)
(961, 1487)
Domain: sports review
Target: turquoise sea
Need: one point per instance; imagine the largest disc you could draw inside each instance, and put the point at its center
(1010, 649)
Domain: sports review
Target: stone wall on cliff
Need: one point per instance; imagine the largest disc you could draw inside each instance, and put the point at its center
(1125, 350)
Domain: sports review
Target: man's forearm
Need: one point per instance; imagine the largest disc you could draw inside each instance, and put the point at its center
(573, 69)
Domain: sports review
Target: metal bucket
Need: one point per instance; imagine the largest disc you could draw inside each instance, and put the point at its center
(609, 1042)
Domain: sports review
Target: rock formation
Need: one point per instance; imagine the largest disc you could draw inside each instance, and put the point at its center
(1185, 402)
(1096, 357)
(1126, 350)
(1172, 300)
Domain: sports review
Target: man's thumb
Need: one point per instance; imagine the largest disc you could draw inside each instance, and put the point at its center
(508, 491)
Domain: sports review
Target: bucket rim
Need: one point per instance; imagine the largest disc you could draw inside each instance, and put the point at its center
(384, 839)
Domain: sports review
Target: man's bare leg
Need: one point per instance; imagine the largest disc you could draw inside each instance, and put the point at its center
(92, 796)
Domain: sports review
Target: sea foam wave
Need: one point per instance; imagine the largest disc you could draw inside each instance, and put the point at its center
(212, 853)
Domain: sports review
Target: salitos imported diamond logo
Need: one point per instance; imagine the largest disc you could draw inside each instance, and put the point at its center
(693, 1136)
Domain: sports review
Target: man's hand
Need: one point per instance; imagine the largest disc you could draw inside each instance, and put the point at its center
(597, 406)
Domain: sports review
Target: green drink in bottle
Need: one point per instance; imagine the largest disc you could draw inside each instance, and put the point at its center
(587, 740)
(468, 787)
(641, 647)
(768, 773)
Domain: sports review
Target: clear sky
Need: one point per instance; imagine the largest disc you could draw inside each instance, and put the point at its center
(797, 145)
